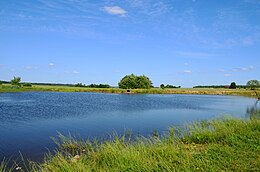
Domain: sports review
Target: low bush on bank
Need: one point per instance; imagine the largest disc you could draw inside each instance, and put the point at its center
(27, 85)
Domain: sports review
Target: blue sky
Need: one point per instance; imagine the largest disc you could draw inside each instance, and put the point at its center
(178, 42)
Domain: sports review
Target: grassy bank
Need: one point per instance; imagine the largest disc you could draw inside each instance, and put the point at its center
(210, 91)
(218, 145)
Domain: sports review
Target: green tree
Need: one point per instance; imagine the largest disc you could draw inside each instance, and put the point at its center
(1, 82)
(233, 85)
(128, 81)
(162, 86)
(132, 82)
(143, 82)
(253, 84)
(16, 81)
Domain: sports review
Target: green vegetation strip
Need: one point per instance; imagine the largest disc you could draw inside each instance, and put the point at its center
(218, 145)
(210, 91)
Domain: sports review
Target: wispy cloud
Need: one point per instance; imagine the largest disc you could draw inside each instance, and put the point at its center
(75, 72)
(51, 64)
(243, 69)
(247, 41)
(115, 10)
(234, 42)
(239, 17)
(187, 71)
(255, 2)
(177, 23)
(221, 70)
(149, 7)
(30, 67)
(72, 72)
(227, 74)
(197, 55)
(238, 69)
(51, 16)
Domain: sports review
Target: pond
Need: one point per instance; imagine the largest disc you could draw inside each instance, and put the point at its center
(28, 120)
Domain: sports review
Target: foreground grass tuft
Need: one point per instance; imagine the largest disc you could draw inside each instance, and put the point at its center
(4, 168)
(218, 145)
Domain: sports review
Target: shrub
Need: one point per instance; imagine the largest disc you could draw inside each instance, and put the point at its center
(233, 85)
(253, 84)
(132, 82)
(27, 85)
(162, 86)
(16, 81)
(98, 86)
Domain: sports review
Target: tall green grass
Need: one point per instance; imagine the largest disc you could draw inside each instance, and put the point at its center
(4, 167)
(218, 145)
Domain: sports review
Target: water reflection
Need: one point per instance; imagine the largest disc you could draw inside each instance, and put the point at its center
(253, 112)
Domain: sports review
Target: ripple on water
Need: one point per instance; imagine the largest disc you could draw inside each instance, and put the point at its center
(34, 117)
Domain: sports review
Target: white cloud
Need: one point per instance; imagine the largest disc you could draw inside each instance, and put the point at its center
(75, 72)
(72, 72)
(187, 71)
(197, 55)
(186, 64)
(252, 1)
(30, 67)
(221, 70)
(227, 74)
(51, 64)
(115, 10)
(238, 69)
(243, 69)
(251, 67)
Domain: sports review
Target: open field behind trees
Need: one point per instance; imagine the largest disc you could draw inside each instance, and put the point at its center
(53, 88)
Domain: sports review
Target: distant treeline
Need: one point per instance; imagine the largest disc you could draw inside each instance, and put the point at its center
(69, 85)
(222, 86)
(34, 83)
(93, 85)
(169, 86)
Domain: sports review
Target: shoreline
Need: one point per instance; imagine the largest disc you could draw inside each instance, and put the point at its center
(196, 91)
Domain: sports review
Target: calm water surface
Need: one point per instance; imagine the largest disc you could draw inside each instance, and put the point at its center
(29, 120)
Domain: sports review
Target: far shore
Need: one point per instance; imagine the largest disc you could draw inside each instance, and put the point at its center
(199, 91)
